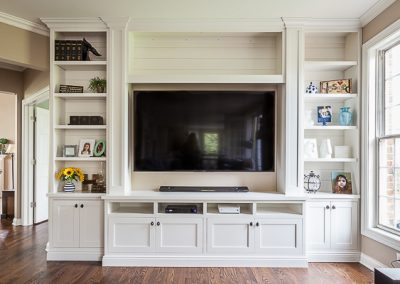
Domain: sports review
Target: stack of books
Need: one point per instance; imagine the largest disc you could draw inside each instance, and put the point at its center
(68, 50)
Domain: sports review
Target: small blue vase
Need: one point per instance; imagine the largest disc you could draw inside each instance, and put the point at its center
(69, 187)
(345, 116)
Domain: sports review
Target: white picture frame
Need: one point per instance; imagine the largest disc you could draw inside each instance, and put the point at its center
(310, 148)
(86, 147)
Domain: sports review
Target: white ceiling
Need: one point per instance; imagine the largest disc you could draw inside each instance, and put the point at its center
(32, 10)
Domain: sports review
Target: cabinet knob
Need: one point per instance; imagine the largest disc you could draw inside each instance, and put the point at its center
(257, 224)
(158, 223)
(333, 207)
(152, 223)
(76, 205)
(81, 205)
(251, 223)
(327, 207)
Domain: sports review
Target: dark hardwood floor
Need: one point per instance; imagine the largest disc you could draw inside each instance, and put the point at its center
(23, 260)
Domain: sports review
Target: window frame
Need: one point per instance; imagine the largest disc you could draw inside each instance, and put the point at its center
(373, 101)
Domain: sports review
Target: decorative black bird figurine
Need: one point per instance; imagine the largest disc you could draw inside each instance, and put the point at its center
(86, 48)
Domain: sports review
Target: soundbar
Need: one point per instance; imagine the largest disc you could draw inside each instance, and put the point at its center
(204, 189)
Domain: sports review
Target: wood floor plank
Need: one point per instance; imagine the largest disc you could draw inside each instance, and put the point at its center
(23, 260)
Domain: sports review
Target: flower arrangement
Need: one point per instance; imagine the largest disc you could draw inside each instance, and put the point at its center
(3, 142)
(70, 174)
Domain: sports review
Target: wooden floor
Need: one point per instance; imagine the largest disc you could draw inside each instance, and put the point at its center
(23, 260)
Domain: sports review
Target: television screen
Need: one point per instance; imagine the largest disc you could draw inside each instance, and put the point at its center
(204, 131)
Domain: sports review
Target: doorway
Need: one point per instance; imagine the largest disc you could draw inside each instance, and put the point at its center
(36, 141)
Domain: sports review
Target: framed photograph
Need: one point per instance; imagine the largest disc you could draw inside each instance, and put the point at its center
(100, 148)
(341, 183)
(342, 86)
(70, 150)
(324, 114)
(86, 147)
(310, 148)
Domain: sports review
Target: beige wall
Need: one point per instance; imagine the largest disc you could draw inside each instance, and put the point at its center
(24, 48)
(376, 250)
(35, 81)
(383, 20)
(8, 130)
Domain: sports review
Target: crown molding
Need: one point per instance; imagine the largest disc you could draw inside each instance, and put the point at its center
(23, 24)
(314, 24)
(206, 25)
(75, 24)
(374, 11)
(116, 22)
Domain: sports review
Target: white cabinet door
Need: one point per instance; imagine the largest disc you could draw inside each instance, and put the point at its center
(131, 234)
(91, 223)
(279, 236)
(230, 235)
(179, 235)
(65, 223)
(318, 225)
(344, 225)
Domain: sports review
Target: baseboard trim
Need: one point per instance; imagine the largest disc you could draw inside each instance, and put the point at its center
(202, 261)
(370, 262)
(17, 222)
(73, 254)
(333, 256)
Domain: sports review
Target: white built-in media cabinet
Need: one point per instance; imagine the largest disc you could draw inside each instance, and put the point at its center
(279, 224)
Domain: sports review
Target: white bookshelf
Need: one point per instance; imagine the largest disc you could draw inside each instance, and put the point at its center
(87, 103)
(330, 56)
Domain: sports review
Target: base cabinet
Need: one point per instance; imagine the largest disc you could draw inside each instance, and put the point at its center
(149, 235)
(267, 236)
(332, 228)
(75, 229)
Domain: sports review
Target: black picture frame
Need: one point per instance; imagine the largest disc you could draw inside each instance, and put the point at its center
(99, 148)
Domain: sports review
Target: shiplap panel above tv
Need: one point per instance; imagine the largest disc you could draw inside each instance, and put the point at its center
(156, 56)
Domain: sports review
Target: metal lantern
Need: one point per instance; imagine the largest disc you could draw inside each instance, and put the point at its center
(312, 182)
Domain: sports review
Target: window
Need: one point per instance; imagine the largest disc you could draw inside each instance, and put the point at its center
(380, 164)
(388, 130)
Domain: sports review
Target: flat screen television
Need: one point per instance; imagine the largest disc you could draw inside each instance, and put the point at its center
(204, 131)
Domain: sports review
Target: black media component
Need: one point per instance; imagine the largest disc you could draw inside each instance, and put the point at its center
(74, 120)
(181, 208)
(226, 131)
(84, 120)
(96, 120)
(204, 189)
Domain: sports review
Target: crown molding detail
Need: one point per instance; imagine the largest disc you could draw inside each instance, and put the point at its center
(116, 22)
(311, 24)
(23, 24)
(206, 25)
(374, 11)
(75, 24)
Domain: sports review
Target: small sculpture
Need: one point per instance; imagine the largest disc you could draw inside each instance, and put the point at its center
(311, 89)
(86, 48)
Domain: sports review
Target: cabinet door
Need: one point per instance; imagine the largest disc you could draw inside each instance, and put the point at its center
(65, 223)
(279, 236)
(344, 224)
(91, 230)
(179, 235)
(230, 235)
(131, 234)
(318, 225)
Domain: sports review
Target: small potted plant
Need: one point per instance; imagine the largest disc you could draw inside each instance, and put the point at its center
(69, 175)
(3, 142)
(97, 85)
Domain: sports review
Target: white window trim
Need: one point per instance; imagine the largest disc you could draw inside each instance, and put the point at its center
(368, 148)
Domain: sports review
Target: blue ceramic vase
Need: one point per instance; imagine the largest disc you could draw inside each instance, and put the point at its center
(345, 116)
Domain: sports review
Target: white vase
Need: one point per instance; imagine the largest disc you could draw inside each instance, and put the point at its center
(325, 150)
(308, 119)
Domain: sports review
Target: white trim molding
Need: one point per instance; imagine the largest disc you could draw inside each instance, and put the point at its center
(370, 262)
(75, 24)
(23, 24)
(374, 11)
(368, 142)
(310, 24)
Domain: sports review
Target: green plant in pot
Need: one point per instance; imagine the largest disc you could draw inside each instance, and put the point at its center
(3, 142)
(97, 85)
